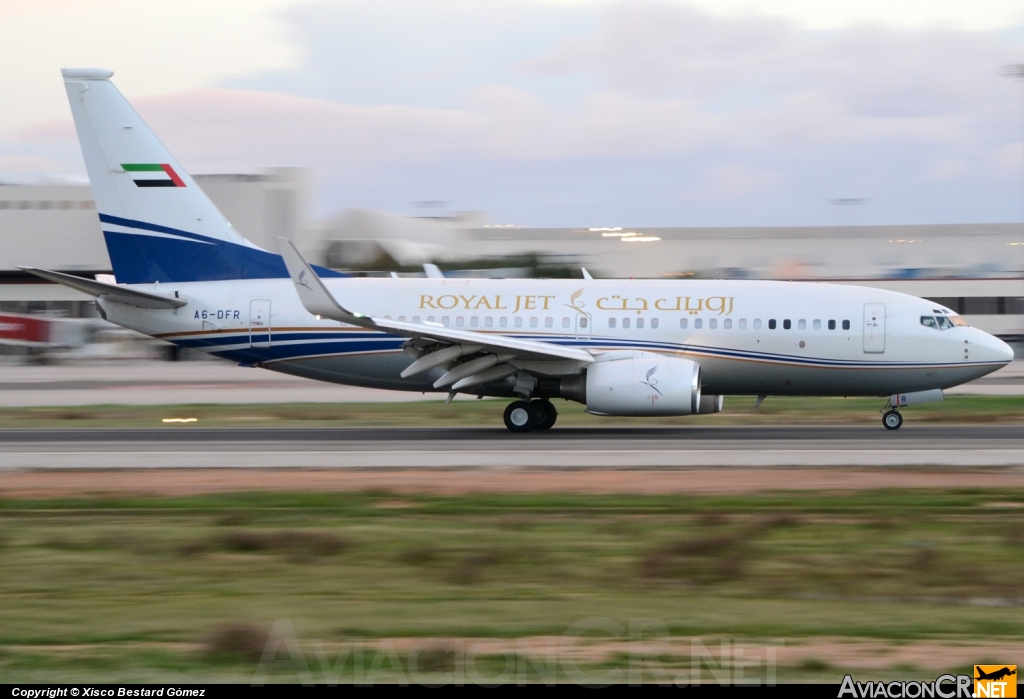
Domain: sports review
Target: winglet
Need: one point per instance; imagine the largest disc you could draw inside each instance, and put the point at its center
(432, 271)
(312, 292)
(586, 274)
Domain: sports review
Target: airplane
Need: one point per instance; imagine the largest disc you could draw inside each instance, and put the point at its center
(621, 347)
(995, 675)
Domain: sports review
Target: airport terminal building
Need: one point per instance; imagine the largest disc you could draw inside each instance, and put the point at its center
(975, 269)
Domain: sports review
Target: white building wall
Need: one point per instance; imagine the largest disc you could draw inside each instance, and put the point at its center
(56, 226)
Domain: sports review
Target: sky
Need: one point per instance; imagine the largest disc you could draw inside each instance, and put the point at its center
(555, 112)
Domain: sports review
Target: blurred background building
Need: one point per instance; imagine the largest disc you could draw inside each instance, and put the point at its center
(976, 269)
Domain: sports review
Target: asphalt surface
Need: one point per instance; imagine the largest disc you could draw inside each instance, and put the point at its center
(675, 447)
(909, 436)
(127, 382)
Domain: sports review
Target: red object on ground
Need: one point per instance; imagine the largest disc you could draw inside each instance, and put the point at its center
(19, 328)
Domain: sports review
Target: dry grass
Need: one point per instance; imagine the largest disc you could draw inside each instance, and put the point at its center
(236, 641)
(299, 545)
(127, 589)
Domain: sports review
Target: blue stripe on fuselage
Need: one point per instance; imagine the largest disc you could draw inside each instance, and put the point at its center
(138, 258)
(287, 345)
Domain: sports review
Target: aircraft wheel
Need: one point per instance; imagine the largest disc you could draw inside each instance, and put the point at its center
(546, 414)
(520, 416)
(892, 420)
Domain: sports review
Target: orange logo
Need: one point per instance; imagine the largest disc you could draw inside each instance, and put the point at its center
(995, 681)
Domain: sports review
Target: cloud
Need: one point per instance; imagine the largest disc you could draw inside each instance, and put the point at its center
(18, 165)
(737, 181)
(977, 15)
(634, 105)
(154, 48)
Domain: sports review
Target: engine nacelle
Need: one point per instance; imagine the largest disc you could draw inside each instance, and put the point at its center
(643, 384)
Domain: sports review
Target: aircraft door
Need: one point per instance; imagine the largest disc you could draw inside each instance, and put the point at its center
(259, 323)
(874, 328)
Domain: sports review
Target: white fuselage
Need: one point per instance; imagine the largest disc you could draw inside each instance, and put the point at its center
(827, 339)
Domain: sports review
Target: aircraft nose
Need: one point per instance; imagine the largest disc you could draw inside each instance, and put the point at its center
(993, 349)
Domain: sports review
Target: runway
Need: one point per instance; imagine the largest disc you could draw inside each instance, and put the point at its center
(138, 382)
(991, 446)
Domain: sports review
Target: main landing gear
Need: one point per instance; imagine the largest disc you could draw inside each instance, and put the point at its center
(526, 416)
(892, 420)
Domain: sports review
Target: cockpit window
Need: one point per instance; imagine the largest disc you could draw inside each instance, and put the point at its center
(943, 322)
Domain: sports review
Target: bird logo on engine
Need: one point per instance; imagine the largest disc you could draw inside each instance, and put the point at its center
(652, 383)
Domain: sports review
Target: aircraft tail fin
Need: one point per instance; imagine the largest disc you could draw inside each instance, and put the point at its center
(157, 223)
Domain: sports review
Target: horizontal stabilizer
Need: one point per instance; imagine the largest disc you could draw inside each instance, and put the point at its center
(118, 294)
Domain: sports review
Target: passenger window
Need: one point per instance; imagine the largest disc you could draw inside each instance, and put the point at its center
(757, 324)
(401, 319)
(533, 322)
(787, 324)
(698, 323)
(743, 323)
(549, 322)
(459, 322)
(565, 322)
(683, 322)
(831, 325)
(713, 323)
(474, 322)
(519, 322)
(444, 321)
(488, 322)
(415, 319)
(771, 324)
(846, 325)
(625, 322)
(801, 324)
(944, 323)
(611, 322)
(654, 323)
(639, 322)
(503, 322)
(583, 322)
(817, 325)
(727, 323)
(430, 319)
(929, 322)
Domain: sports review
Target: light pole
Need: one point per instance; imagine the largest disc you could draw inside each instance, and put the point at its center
(1016, 71)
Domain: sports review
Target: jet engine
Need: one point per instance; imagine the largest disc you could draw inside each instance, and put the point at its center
(643, 384)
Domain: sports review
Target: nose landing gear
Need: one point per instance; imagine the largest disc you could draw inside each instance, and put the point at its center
(892, 420)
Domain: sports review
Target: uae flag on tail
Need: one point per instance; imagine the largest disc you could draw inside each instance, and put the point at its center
(154, 175)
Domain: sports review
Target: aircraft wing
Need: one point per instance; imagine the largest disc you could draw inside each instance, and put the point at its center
(440, 345)
(118, 294)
